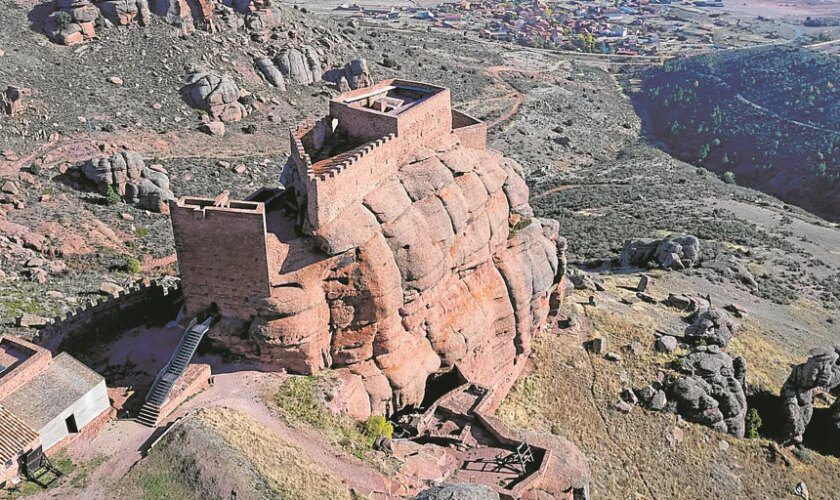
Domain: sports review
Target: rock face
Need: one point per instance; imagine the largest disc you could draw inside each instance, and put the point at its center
(711, 392)
(672, 252)
(820, 373)
(302, 66)
(129, 177)
(423, 275)
(712, 326)
(214, 93)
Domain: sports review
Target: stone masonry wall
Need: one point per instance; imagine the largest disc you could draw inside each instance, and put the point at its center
(108, 317)
(27, 370)
(473, 133)
(222, 257)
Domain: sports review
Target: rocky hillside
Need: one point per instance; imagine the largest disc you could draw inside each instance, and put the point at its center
(765, 118)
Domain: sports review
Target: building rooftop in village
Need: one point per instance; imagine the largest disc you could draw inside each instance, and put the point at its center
(45, 396)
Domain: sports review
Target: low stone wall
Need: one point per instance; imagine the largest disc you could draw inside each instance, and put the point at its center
(27, 370)
(106, 318)
(472, 132)
(195, 379)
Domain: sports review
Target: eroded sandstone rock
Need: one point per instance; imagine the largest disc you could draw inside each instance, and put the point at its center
(423, 274)
(214, 93)
(821, 372)
(711, 326)
(127, 174)
(72, 22)
(672, 252)
(711, 392)
(302, 66)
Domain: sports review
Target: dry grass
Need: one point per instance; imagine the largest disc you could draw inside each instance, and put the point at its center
(286, 472)
(768, 366)
(630, 455)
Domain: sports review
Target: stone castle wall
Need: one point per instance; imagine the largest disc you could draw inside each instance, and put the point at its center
(222, 255)
(473, 133)
(389, 141)
(106, 317)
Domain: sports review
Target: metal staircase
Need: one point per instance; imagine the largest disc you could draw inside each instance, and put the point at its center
(162, 386)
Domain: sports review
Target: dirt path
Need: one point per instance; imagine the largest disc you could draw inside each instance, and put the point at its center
(518, 98)
(121, 440)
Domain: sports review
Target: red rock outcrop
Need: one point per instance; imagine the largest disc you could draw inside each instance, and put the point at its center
(422, 255)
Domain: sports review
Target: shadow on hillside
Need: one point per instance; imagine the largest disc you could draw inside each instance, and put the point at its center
(37, 17)
(819, 437)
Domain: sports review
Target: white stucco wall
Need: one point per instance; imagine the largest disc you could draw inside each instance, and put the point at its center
(85, 409)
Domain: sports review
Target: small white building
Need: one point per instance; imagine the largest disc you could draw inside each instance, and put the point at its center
(61, 400)
(44, 401)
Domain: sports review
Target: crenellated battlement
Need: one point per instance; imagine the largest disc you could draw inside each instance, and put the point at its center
(136, 303)
(368, 134)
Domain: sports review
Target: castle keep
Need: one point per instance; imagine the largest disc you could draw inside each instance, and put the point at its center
(397, 249)
(367, 136)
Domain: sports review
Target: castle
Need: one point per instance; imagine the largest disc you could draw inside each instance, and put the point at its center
(398, 247)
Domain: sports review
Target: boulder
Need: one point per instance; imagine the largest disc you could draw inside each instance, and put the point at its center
(354, 75)
(302, 66)
(214, 93)
(666, 344)
(72, 22)
(270, 72)
(673, 252)
(711, 326)
(11, 100)
(711, 392)
(125, 172)
(821, 372)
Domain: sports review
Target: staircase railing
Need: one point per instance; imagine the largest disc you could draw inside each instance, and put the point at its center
(206, 324)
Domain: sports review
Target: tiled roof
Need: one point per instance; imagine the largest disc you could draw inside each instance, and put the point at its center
(44, 397)
(15, 435)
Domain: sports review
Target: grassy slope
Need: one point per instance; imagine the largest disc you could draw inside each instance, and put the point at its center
(222, 449)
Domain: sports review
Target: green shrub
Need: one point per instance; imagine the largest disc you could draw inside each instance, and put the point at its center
(753, 423)
(376, 426)
(111, 196)
(132, 265)
(142, 232)
(729, 178)
(62, 20)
